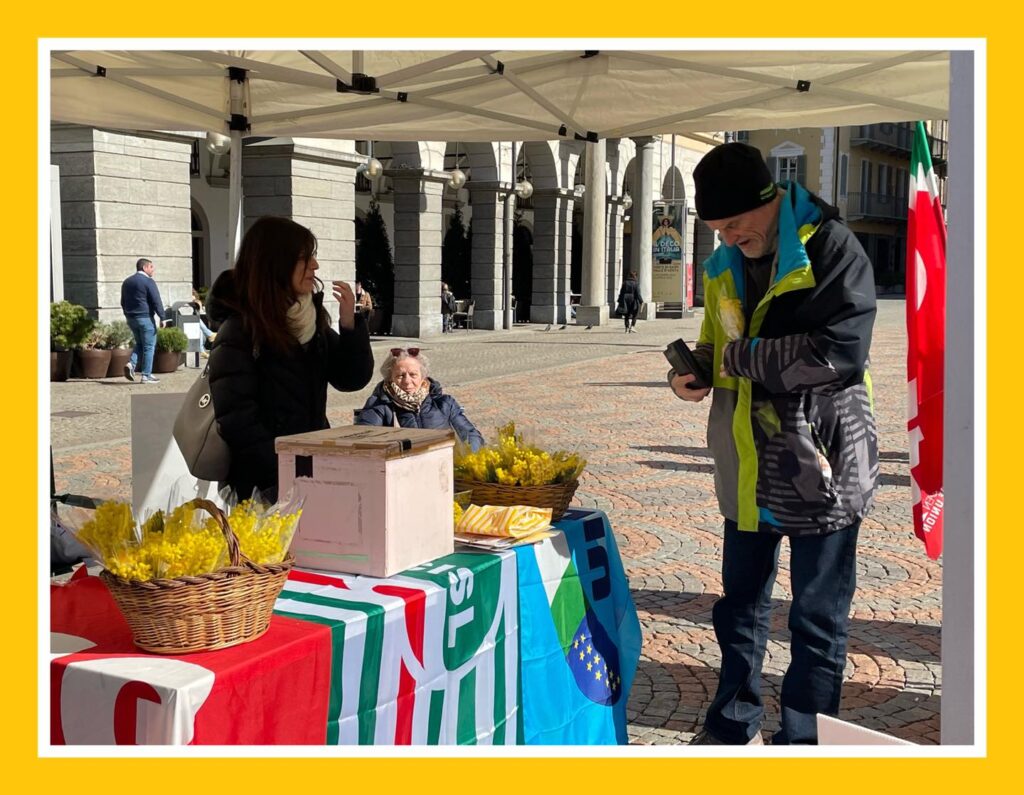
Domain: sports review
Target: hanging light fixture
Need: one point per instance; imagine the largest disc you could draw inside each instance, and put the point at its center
(627, 201)
(218, 144)
(457, 177)
(372, 167)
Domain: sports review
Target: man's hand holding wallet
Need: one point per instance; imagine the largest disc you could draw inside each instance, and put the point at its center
(689, 379)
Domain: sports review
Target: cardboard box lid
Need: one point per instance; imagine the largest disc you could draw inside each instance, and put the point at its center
(366, 440)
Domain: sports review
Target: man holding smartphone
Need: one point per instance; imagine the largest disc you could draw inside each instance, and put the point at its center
(789, 312)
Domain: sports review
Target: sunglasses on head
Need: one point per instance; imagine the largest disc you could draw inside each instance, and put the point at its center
(414, 352)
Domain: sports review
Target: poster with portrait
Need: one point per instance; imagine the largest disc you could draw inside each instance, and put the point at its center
(667, 255)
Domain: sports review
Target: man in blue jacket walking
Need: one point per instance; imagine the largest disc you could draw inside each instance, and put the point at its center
(140, 301)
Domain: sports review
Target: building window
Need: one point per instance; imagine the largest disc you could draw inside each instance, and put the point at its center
(865, 184)
(844, 168)
(193, 163)
(788, 169)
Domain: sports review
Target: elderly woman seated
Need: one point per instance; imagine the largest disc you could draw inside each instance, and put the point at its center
(408, 397)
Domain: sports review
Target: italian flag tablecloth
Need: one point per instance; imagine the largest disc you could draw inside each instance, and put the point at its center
(533, 645)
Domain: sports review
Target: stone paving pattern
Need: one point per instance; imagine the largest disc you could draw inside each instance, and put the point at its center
(603, 392)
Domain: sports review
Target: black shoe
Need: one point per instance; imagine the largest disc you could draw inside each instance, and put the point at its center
(704, 737)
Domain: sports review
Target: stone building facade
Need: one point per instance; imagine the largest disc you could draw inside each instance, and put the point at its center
(164, 197)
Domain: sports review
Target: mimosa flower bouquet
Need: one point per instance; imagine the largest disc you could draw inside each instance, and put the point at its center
(515, 472)
(194, 579)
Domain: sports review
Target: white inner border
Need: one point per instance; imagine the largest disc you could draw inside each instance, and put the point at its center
(978, 749)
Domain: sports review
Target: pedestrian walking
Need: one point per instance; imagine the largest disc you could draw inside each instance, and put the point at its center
(789, 311)
(630, 301)
(141, 303)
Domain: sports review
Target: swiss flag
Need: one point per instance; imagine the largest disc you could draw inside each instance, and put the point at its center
(926, 338)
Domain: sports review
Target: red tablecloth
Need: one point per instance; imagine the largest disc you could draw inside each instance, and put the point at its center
(108, 692)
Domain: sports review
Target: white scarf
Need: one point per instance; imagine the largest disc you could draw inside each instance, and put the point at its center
(302, 318)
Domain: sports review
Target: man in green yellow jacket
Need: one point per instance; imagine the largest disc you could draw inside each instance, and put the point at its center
(789, 309)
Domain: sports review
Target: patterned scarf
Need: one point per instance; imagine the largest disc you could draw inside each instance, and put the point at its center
(408, 401)
(302, 318)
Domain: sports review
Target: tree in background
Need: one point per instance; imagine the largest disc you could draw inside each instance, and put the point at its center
(456, 255)
(375, 268)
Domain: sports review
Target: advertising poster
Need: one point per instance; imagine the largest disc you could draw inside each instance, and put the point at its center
(667, 255)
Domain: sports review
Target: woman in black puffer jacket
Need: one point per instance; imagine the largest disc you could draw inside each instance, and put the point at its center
(409, 398)
(275, 351)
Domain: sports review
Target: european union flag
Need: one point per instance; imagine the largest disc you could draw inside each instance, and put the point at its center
(594, 662)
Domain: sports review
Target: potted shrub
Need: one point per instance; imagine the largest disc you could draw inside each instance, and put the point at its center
(94, 355)
(120, 341)
(171, 344)
(70, 326)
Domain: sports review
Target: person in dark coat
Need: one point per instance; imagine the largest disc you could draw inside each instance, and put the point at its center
(409, 398)
(275, 351)
(629, 302)
(141, 302)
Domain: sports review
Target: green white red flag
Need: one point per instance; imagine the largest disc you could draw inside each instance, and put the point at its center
(926, 343)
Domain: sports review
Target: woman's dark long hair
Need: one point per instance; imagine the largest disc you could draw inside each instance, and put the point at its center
(264, 271)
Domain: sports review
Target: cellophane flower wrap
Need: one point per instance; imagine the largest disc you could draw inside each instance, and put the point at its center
(265, 531)
(730, 313)
(513, 461)
(180, 543)
(186, 541)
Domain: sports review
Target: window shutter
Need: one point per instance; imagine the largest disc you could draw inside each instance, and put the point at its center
(801, 170)
(773, 167)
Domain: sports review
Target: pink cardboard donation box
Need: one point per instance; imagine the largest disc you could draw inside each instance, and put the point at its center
(376, 501)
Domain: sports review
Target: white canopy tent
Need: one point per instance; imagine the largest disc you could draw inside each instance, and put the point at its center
(489, 96)
(484, 95)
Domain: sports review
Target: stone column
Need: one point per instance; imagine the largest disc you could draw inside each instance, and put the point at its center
(417, 240)
(488, 201)
(312, 186)
(123, 196)
(593, 309)
(643, 206)
(613, 226)
(552, 240)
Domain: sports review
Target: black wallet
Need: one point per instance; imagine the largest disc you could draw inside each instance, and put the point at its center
(683, 361)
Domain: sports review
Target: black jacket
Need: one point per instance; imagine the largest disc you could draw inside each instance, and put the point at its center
(630, 300)
(260, 394)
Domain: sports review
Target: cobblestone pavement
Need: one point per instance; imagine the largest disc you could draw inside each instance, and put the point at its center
(603, 392)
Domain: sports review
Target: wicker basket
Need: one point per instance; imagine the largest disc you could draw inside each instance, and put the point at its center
(555, 496)
(210, 611)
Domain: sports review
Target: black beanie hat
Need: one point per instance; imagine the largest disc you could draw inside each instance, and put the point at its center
(731, 179)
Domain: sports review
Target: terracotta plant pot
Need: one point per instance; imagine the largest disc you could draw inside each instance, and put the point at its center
(118, 359)
(166, 361)
(93, 363)
(60, 365)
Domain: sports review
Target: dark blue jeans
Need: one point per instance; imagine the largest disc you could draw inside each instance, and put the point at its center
(823, 575)
(144, 330)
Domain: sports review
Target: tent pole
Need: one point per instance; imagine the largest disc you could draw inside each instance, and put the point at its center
(235, 196)
(960, 636)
